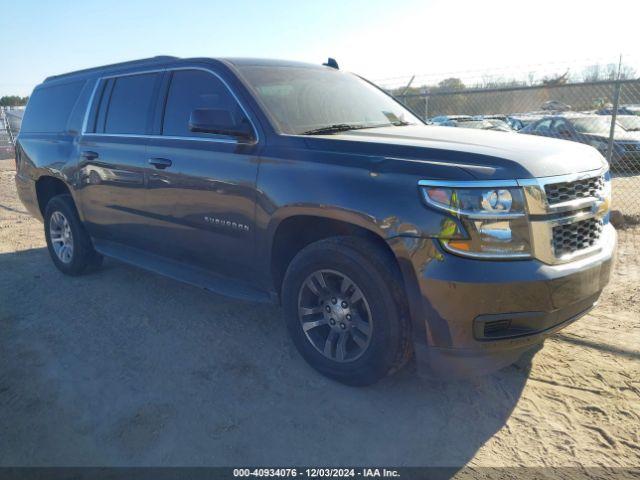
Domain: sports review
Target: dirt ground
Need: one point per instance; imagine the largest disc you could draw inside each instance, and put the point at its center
(626, 196)
(123, 367)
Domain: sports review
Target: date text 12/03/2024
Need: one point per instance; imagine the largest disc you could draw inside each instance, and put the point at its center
(317, 472)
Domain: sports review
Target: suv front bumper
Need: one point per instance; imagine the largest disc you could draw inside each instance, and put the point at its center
(479, 316)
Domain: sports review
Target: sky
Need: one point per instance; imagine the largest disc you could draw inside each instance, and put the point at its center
(379, 39)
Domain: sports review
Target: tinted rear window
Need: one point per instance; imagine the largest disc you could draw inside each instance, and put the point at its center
(49, 108)
(131, 103)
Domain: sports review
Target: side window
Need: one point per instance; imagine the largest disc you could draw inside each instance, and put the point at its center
(193, 89)
(130, 105)
(50, 107)
(544, 126)
(102, 101)
(560, 125)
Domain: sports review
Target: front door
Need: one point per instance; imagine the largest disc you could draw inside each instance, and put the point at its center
(201, 187)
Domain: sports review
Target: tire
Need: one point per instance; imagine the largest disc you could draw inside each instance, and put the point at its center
(82, 256)
(383, 309)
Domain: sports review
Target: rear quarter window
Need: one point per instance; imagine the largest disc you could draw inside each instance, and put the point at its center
(49, 108)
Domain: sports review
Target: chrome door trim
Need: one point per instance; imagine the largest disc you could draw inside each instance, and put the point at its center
(169, 69)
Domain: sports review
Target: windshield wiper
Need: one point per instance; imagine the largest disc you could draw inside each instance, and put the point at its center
(343, 127)
(336, 128)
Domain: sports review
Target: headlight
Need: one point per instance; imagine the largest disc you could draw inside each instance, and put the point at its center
(494, 219)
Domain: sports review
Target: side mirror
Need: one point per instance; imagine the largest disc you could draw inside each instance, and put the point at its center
(218, 121)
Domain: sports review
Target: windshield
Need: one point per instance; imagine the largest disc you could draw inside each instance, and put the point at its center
(301, 100)
(598, 125)
(630, 123)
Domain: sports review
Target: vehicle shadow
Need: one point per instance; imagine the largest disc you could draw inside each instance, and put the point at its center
(123, 367)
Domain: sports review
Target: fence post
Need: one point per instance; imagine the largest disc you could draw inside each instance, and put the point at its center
(614, 111)
(425, 92)
(614, 115)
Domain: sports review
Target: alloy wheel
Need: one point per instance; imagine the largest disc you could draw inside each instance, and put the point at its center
(335, 315)
(61, 237)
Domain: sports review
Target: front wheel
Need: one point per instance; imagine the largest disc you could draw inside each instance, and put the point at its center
(345, 310)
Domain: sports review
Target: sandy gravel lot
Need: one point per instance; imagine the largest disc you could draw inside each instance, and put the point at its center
(123, 367)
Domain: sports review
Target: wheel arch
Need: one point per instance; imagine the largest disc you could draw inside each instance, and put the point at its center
(294, 232)
(47, 187)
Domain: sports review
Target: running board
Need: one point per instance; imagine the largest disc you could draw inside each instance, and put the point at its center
(195, 276)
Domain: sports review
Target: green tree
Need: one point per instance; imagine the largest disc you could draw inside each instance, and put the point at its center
(13, 101)
(452, 83)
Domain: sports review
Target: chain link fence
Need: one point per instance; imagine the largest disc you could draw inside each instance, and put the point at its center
(603, 113)
(10, 121)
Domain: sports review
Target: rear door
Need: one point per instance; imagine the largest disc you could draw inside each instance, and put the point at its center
(113, 158)
(202, 193)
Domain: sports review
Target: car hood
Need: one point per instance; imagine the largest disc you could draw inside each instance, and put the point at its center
(483, 154)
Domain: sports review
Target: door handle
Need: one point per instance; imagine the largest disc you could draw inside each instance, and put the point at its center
(160, 163)
(89, 155)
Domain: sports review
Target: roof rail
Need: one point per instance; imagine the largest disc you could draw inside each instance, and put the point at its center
(130, 63)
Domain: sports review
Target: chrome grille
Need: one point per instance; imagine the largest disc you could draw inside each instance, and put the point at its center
(567, 215)
(567, 191)
(573, 237)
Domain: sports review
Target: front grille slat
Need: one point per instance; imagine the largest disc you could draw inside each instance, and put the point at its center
(567, 191)
(573, 237)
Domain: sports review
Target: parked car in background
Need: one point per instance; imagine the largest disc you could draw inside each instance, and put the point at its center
(593, 130)
(556, 106)
(493, 117)
(631, 123)
(519, 121)
(442, 119)
(499, 125)
(479, 124)
(622, 110)
(634, 109)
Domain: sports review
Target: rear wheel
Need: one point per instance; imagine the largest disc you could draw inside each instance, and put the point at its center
(69, 244)
(345, 310)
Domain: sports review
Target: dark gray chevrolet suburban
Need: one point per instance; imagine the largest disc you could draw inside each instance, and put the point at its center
(381, 237)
